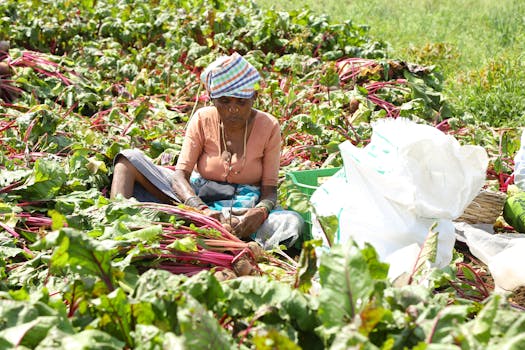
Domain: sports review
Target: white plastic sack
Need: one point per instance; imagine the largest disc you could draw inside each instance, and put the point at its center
(328, 200)
(408, 177)
(503, 254)
(281, 227)
(366, 215)
(419, 167)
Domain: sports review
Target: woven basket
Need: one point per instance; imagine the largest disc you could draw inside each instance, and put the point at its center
(485, 208)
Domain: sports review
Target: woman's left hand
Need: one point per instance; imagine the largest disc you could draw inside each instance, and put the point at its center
(249, 222)
(213, 214)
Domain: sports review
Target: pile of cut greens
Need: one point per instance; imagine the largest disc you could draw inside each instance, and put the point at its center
(87, 79)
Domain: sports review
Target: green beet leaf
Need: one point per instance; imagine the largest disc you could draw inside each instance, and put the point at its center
(482, 325)
(428, 252)
(199, 328)
(274, 340)
(350, 338)
(45, 182)
(205, 288)
(91, 339)
(274, 304)
(307, 267)
(82, 255)
(27, 323)
(114, 312)
(347, 284)
(150, 337)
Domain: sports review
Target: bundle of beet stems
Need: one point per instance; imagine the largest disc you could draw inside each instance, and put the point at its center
(216, 248)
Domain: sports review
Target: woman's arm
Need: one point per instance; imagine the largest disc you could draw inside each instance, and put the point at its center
(182, 188)
(192, 148)
(269, 193)
(181, 185)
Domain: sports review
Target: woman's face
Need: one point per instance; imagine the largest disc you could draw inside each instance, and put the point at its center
(234, 111)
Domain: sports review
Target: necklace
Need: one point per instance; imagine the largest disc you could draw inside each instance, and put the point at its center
(227, 156)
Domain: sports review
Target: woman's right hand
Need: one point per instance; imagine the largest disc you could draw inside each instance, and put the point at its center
(249, 222)
(230, 222)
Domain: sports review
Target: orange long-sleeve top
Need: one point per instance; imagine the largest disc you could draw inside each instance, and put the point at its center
(201, 150)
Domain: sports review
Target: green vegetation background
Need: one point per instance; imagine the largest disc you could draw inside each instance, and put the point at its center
(478, 45)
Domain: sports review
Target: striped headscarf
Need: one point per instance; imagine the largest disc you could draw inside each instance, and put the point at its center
(230, 76)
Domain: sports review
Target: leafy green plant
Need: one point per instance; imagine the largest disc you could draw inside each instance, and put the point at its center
(80, 270)
(492, 93)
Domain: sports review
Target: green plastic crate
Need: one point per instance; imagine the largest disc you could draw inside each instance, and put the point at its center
(307, 181)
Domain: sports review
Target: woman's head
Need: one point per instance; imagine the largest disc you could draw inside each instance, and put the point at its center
(230, 82)
(231, 76)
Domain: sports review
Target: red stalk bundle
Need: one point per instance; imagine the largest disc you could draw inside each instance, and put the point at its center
(40, 64)
(391, 109)
(35, 222)
(216, 247)
(196, 217)
(350, 68)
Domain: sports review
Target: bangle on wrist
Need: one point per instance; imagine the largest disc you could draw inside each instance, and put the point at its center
(266, 204)
(195, 202)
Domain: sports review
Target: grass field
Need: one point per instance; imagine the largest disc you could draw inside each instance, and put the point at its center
(479, 45)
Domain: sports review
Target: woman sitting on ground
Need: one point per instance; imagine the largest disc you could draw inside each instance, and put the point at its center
(229, 159)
